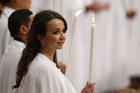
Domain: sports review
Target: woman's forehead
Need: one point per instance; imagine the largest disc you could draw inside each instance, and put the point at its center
(55, 23)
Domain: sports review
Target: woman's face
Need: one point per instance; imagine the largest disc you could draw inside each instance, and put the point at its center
(55, 36)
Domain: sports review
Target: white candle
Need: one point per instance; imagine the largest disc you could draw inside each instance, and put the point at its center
(51, 4)
(93, 26)
(61, 7)
(76, 15)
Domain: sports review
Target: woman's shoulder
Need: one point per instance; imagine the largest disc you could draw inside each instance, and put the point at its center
(40, 66)
(44, 68)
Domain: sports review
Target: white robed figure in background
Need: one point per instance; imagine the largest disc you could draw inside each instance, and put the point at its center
(110, 48)
(133, 37)
(5, 37)
(19, 26)
(10, 7)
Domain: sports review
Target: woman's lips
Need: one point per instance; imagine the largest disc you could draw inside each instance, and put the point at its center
(60, 43)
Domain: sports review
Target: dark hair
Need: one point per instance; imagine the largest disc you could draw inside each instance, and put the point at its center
(4, 1)
(18, 18)
(33, 43)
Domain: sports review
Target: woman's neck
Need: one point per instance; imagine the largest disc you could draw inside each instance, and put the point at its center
(48, 53)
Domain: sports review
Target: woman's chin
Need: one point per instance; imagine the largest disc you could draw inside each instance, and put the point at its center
(60, 47)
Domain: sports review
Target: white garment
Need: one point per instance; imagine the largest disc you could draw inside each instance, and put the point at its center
(110, 66)
(44, 77)
(5, 37)
(134, 39)
(8, 66)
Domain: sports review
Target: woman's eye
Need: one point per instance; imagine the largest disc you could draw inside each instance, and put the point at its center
(56, 32)
(64, 31)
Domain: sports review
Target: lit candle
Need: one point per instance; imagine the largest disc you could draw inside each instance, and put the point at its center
(93, 26)
(76, 15)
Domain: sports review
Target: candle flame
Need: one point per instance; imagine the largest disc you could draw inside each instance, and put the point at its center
(78, 12)
(93, 19)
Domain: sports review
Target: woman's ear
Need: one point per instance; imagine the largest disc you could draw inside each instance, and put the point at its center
(23, 30)
(40, 38)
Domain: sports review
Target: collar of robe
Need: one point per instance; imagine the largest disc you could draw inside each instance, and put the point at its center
(18, 39)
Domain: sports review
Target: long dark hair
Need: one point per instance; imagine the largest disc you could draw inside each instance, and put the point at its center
(33, 43)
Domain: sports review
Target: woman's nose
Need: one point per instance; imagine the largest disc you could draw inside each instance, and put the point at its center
(62, 36)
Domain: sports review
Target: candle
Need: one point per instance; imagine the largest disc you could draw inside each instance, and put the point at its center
(91, 48)
(76, 15)
(61, 7)
(51, 4)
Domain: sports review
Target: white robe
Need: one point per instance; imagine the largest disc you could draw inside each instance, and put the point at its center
(134, 39)
(8, 66)
(44, 77)
(5, 37)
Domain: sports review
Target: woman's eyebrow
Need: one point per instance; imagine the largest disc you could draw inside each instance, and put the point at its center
(58, 28)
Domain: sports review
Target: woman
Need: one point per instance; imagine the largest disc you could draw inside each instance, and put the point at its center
(37, 73)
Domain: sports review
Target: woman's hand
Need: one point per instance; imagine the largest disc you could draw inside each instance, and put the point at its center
(131, 14)
(89, 88)
(62, 67)
(96, 6)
